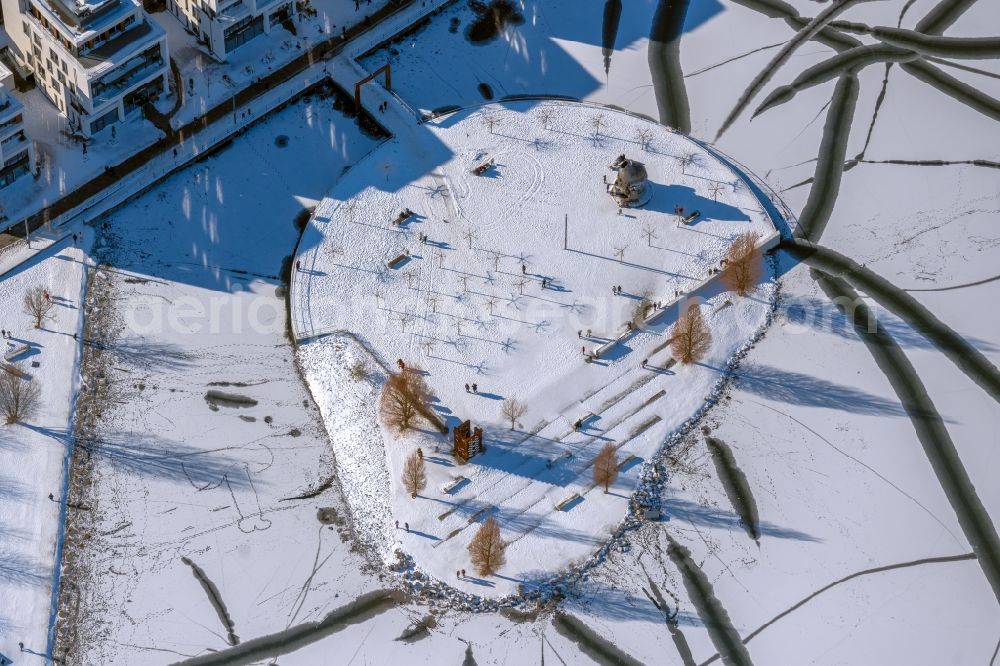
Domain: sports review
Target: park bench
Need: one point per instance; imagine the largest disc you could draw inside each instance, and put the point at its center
(451, 485)
(482, 168)
(394, 263)
(403, 216)
(567, 502)
(13, 352)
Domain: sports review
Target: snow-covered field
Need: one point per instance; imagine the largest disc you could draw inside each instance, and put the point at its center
(32, 456)
(213, 435)
(509, 280)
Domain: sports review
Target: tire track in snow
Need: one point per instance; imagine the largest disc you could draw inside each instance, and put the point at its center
(801, 37)
(215, 599)
(960, 286)
(591, 644)
(863, 464)
(857, 574)
(720, 628)
(938, 446)
(967, 358)
(958, 90)
(664, 58)
(829, 37)
(830, 161)
(362, 609)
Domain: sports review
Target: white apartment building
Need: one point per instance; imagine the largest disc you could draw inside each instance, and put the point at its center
(17, 152)
(225, 25)
(97, 60)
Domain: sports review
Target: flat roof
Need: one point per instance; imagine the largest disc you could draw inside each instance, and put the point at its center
(122, 46)
(85, 20)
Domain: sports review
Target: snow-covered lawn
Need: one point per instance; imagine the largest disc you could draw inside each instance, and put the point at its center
(490, 297)
(212, 435)
(32, 453)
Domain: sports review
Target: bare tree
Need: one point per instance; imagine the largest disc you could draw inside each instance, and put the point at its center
(404, 398)
(414, 474)
(596, 122)
(641, 308)
(486, 550)
(620, 253)
(19, 395)
(469, 235)
(38, 305)
(649, 231)
(688, 159)
(690, 337)
(742, 265)
(513, 409)
(359, 370)
(606, 466)
(645, 136)
(545, 115)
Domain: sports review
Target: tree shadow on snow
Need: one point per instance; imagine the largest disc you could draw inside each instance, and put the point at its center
(824, 316)
(146, 454)
(796, 388)
(676, 508)
(19, 569)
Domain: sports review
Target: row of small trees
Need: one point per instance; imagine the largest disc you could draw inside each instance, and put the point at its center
(691, 338)
(487, 549)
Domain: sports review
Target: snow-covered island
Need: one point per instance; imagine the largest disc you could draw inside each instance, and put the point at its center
(492, 259)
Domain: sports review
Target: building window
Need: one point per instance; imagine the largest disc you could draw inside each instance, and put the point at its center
(13, 168)
(243, 31)
(105, 120)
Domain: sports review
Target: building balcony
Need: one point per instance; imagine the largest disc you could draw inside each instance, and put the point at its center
(8, 126)
(131, 74)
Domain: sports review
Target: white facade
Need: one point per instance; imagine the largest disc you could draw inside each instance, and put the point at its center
(97, 61)
(17, 152)
(225, 25)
